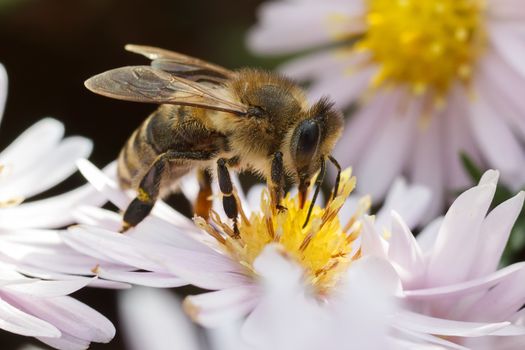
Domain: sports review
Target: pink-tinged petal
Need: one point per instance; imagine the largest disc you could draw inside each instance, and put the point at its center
(371, 242)
(468, 287)
(103, 184)
(3, 89)
(495, 233)
(503, 88)
(23, 152)
(410, 202)
(16, 321)
(387, 153)
(500, 302)
(49, 171)
(507, 38)
(506, 10)
(405, 254)
(425, 324)
(66, 342)
(459, 139)
(342, 88)
(95, 216)
(227, 337)
(51, 212)
(362, 128)
(153, 320)
(70, 316)
(496, 140)
(222, 307)
(457, 240)
(283, 303)
(150, 279)
(426, 164)
(427, 237)
(317, 65)
(46, 289)
(287, 27)
(419, 341)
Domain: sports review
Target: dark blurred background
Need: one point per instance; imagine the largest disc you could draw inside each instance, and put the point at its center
(49, 47)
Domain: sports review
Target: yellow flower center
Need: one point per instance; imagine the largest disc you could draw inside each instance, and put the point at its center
(324, 247)
(425, 44)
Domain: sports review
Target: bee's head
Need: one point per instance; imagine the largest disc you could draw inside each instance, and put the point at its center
(312, 141)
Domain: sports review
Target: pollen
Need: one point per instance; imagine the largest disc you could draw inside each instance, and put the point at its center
(425, 45)
(323, 248)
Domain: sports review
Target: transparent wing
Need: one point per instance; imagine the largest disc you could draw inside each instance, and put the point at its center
(188, 67)
(150, 85)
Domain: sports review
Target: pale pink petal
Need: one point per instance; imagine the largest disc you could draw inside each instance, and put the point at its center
(227, 337)
(47, 289)
(504, 89)
(387, 152)
(150, 279)
(3, 89)
(507, 38)
(218, 308)
(494, 235)
(456, 244)
(51, 212)
(49, 171)
(16, 321)
(371, 243)
(21, 155)
(405, 254)
(459, 139)
(420, 341)
(66, 342)
(426, 164)
(426, 239)
(287, 27)
(468, 287)
(153, 320)
(317, 65)
(496, 140)
(505, 10)
(409, 201)
(425, 324)
(362, 127)
(501, 301)
(70, 316)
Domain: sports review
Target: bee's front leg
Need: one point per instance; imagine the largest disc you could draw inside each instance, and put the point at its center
(228, 200)
(148, 190)
(277, 181)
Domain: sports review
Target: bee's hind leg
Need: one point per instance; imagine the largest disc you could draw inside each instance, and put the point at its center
(277, 181)
(148, 190)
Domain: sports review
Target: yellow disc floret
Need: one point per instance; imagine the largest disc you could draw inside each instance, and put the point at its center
(425, 44)
(324, 247)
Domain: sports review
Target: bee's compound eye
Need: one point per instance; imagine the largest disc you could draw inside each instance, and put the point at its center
(307, 142)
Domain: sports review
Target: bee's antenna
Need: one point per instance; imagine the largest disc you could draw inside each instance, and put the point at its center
(338, 177)
(318, 183)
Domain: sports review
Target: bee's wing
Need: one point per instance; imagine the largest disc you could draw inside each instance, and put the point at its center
(146, 84)
(185, 66)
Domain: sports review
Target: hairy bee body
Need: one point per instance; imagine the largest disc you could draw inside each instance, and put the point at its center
(212, 118)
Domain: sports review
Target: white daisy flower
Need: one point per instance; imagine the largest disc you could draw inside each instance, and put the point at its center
(312, 264)
(431, 78)
(36, 161)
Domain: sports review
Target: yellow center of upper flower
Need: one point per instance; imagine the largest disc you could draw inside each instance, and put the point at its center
(426, 44)
(324, 247)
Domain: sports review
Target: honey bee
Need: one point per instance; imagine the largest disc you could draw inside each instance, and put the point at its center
(211, 117)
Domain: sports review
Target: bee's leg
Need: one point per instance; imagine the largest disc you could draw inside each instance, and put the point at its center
(203, 203)
(148, 190)
(277, 181)
(228, 200)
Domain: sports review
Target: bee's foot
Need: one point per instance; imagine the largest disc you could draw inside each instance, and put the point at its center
(125, 226)
(281, 208)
